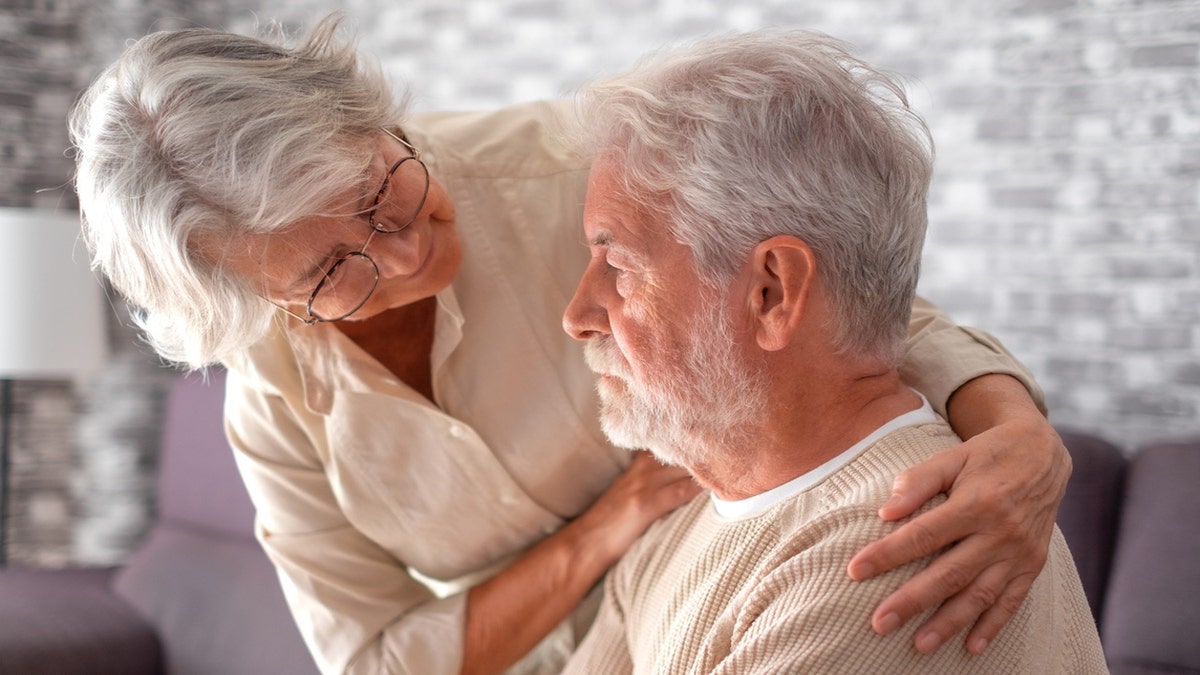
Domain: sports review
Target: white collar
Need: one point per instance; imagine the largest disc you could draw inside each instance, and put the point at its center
(750, 507)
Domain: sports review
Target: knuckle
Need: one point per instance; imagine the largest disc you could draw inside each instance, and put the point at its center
(1015, 593)
(982, 595)
(924, 539)
(954, 578)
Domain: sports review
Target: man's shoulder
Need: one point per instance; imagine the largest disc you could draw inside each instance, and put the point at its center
(867, 479)
(841, 514)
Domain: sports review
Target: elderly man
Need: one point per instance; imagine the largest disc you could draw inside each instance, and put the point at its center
(755, 213)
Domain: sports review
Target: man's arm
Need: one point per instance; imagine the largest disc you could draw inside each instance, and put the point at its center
(1004, 485)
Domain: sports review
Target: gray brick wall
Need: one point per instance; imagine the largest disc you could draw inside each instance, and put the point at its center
(1063, 217)
(1064, 213)
(83, 454)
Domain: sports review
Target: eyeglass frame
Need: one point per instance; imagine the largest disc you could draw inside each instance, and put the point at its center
(414, 154)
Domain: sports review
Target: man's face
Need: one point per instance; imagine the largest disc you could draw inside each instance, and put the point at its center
(672, 377)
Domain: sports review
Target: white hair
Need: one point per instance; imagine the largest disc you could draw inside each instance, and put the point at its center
(199, 134)
(742, 137)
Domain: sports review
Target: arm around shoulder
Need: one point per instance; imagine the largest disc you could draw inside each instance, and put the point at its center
(943, 356)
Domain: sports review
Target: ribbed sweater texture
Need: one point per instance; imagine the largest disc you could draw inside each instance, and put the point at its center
(770, 593)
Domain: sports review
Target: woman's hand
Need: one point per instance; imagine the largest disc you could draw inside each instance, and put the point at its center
(1003, 485)
(644, 493)
(510, 613)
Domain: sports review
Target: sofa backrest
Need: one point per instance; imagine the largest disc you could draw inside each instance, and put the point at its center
(1090, 511)
(1152, 612)
(198, 481)
(200, 577)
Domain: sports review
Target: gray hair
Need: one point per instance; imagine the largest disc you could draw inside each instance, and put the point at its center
(203, 135)
(742, 137)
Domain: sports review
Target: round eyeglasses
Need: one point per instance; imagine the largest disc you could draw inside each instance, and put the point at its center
(350, 281)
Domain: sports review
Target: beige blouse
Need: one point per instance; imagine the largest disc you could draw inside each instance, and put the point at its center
(369, 496)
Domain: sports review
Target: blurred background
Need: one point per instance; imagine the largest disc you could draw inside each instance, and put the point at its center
(1063, 218)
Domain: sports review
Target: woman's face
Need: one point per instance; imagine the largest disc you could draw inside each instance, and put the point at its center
(414, 263)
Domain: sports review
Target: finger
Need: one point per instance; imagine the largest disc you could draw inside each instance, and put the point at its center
(645, 465)
(944, 578)
(917, 485)
(924, 535)
(994, 619)
(962, 610)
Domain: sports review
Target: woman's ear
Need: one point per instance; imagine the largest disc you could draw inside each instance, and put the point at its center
(782, 273)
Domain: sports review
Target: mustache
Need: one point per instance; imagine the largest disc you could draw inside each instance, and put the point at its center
(603, 357)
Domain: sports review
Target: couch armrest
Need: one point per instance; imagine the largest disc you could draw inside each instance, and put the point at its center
(68, 622)
(1090, 511)
(1151, 613)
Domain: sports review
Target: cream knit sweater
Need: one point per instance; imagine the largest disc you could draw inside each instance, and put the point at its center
(769, 593)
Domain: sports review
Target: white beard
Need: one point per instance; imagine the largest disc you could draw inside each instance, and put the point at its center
(704, 407)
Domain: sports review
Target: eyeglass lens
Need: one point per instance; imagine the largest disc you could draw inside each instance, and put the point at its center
(401, 196)
(345, 288)
(350, 282)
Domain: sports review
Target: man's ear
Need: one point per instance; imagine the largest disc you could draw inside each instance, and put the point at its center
(782, 273)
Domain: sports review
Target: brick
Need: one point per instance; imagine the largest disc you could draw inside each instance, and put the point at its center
(1156, 403)
(1188, 373)
(1085, 371)
(1153, 265)
(1025, 197)
(1082, 302)
(1158, 56)
(1152, 337)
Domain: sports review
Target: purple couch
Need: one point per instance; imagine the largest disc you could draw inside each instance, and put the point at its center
(1133, 527)
(200, 598)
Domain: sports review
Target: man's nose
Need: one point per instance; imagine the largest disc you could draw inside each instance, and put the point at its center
(585, 316)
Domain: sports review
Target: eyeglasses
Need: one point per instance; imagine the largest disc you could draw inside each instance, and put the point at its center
(350, 281)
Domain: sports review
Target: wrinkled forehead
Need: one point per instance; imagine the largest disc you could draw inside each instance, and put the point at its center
(613, 213)
(279, 262)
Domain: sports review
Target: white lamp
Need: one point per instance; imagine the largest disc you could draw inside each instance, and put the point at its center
(53, 313)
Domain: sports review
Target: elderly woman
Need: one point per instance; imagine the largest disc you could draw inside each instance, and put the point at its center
(418, 434)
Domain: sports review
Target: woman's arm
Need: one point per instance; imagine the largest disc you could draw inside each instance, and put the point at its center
(360, 610)
(1004, 484)
(511, 612)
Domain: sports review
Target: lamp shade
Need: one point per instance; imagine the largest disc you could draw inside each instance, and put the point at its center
(51, 305)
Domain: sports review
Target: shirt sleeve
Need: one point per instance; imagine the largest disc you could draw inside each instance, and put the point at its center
(357, 607)
(943, 356)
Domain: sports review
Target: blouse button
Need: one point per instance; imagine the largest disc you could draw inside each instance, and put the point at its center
(457, 431)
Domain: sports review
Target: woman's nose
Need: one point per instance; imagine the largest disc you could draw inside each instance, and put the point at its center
(396, 254)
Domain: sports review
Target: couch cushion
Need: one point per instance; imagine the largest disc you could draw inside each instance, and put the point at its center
(1089, 513)
(68, 622)
(216, 603)
(199, 485)
(1152, 613)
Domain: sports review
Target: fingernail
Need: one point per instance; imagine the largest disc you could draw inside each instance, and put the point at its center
(863, 570)
(978, 645)
(892, 500)
(928, 643)
(889, 623)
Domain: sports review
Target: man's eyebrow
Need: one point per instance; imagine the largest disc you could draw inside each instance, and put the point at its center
(616, 250)
(601, 240)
